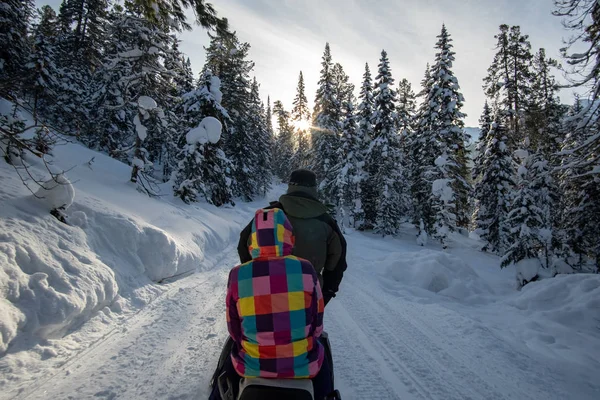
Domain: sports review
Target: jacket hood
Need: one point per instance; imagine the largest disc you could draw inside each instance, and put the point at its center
(302, 205)
(271, 234)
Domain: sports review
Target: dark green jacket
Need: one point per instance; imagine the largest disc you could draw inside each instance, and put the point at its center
(318, 238)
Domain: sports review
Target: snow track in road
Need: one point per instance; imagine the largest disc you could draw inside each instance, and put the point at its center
(165, 352)
(387, 348)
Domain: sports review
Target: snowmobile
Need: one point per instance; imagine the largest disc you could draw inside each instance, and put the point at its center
(269, 389)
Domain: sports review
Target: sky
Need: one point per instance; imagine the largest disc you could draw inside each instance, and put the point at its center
(289, 36)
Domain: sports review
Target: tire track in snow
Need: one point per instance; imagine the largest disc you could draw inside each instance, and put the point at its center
(358, 375)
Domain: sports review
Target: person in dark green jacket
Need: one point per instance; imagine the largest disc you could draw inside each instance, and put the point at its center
(318, 237)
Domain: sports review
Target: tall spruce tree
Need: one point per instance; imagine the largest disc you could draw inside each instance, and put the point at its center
(204, 171)
(382, 162)
(326, 129)
(15, 16)
(42, 71)
(525, 220)
(419, 159)
(441, 123)
(133, 68)
(262, 145)
(284, 143)
(228, 58)
(581, 162)
(349, 169)
(365, 133)
(301, 120)
(508, 83)
(493, 190)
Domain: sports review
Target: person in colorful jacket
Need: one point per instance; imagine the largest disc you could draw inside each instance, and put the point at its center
(275, 309)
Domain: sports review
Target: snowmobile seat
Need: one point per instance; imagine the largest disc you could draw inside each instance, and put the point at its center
(275, 389)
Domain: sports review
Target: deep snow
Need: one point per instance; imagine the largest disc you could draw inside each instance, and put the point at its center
(82, 313)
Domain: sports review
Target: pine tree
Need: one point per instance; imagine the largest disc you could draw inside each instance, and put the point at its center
(508, 83)
(228, 58)
(261, 143)
(545, 111)
(203, 170)
(326, 129)
(365, 133)
(581, 163)
(406, 106)
(525, 221)
(383, 159)
(420, 157)
(493, 191)
(284, 144)
(300, 111)
(342, 88)
(133, 69)
(301, 120)
(42, 72)
(349, 170)
(180, 71)
(442, 129)
(14, 24)
(485, 123)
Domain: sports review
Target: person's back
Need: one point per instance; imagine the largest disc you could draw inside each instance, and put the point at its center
(275, 306)
(318, 238)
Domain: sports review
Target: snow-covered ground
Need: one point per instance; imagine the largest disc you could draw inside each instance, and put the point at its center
(82, 314)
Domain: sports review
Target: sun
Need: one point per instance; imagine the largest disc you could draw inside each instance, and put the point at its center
(301, 125)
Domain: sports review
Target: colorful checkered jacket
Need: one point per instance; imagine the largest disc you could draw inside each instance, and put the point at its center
(275, 306)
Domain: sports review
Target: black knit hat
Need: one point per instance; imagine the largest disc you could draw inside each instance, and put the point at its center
(303, 177)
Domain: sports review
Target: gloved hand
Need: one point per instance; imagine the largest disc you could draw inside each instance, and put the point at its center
(328, 295)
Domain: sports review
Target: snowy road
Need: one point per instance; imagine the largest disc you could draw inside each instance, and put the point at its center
(386, 344)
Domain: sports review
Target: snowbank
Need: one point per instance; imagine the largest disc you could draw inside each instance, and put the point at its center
(117, 244)
(436, 272)
(558, 317)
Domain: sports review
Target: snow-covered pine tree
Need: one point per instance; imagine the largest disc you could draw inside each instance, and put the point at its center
(86, 23)
(493, 190)
(382, 162)
(342, 88)
(525, 223)
(349, 169)
(420, 157)
(445, 142)
(301, 121)
(508, 83)
(133, 69)
(407, 105)
(326, 130)
(581, 161)
(406, 109)
(262, 144)
(228, 58)
(365, 133)
(545, 111)
(284, 143)
(204, 170)
(15, 16)
(180, 70)
(42, 72)
(485, 123)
